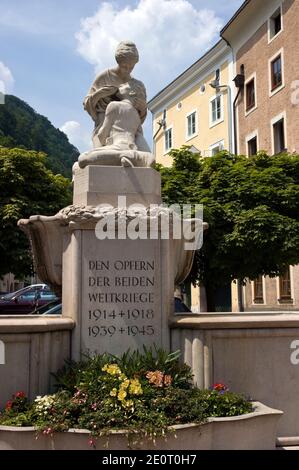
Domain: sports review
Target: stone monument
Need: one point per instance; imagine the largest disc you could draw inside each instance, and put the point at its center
(115, 255)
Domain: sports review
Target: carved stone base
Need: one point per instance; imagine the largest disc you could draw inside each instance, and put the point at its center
(119, 289)
(96, 185)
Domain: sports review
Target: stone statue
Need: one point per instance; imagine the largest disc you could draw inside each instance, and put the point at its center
(118, 133)
(106, 254)
(105, 89)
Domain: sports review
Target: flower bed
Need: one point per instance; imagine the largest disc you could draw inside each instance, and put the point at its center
(137, 401)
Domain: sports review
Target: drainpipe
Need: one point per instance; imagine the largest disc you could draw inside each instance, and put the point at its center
(230, 112)
(239, 82)
(235, 122)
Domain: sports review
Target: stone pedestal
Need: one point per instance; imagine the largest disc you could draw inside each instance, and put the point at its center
(118, 290)
(96, 185)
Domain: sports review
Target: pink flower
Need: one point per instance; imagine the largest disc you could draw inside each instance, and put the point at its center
(155, 378)
(167, 380)
(48, 431)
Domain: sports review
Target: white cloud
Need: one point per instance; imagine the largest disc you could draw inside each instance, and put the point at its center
(170, 35)
(6, 79)
(77, 135)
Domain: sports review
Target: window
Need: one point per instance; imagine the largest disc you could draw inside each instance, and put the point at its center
(168, 139)
(250, 95)
(216, 148)
(275, 24)
(276, 73)
(258, 290)
(27, 296)
(279, 136)
(191, 124)
(252, 146)
(285, 290)
(216, 109)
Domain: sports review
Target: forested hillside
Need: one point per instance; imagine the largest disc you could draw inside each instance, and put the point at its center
(22, 127)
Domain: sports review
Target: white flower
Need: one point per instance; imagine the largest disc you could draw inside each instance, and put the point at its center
(43, 404)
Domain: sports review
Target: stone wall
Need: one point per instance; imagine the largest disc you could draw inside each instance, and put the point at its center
(254, 354)
(33, 349)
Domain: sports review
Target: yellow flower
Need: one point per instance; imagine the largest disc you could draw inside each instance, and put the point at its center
(113, 392)
(135, 387)
(121, 395)
(128, 404)
(124, 385)
(112, 369)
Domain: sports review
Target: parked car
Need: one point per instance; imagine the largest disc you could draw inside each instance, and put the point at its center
(26, 300)
(52, 308)
(56, 310)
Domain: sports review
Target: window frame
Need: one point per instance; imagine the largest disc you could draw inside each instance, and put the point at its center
(221, 119)
(273, 91)
(270, 20)
(274, 121)
(286, 299)
(168, 129)
(249, 137)
(219, 143)
(255, 299)
(191, 136)
(274, 73)
(252, 154)
(248, 81)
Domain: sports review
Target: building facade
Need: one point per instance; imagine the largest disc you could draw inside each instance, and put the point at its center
(196, 108)
(264, 40)
(242, 96)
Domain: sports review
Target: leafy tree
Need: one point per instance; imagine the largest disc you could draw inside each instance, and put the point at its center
(27, 187)
(22, 127)
(251, 206)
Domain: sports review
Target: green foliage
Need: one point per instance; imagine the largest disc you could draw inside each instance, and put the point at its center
(17, 411)
(27, 187)
(141, 393)
(22, 127)
(251, 205)
(131, 363)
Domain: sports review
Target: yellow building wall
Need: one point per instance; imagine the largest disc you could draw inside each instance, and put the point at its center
(206, 135)
(176, 118)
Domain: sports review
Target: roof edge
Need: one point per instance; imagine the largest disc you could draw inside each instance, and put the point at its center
(234, 17)
(220, 42)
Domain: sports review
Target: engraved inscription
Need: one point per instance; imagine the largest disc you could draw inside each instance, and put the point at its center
(120, 303)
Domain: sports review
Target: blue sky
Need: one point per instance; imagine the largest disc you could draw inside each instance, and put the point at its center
(50, 50)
